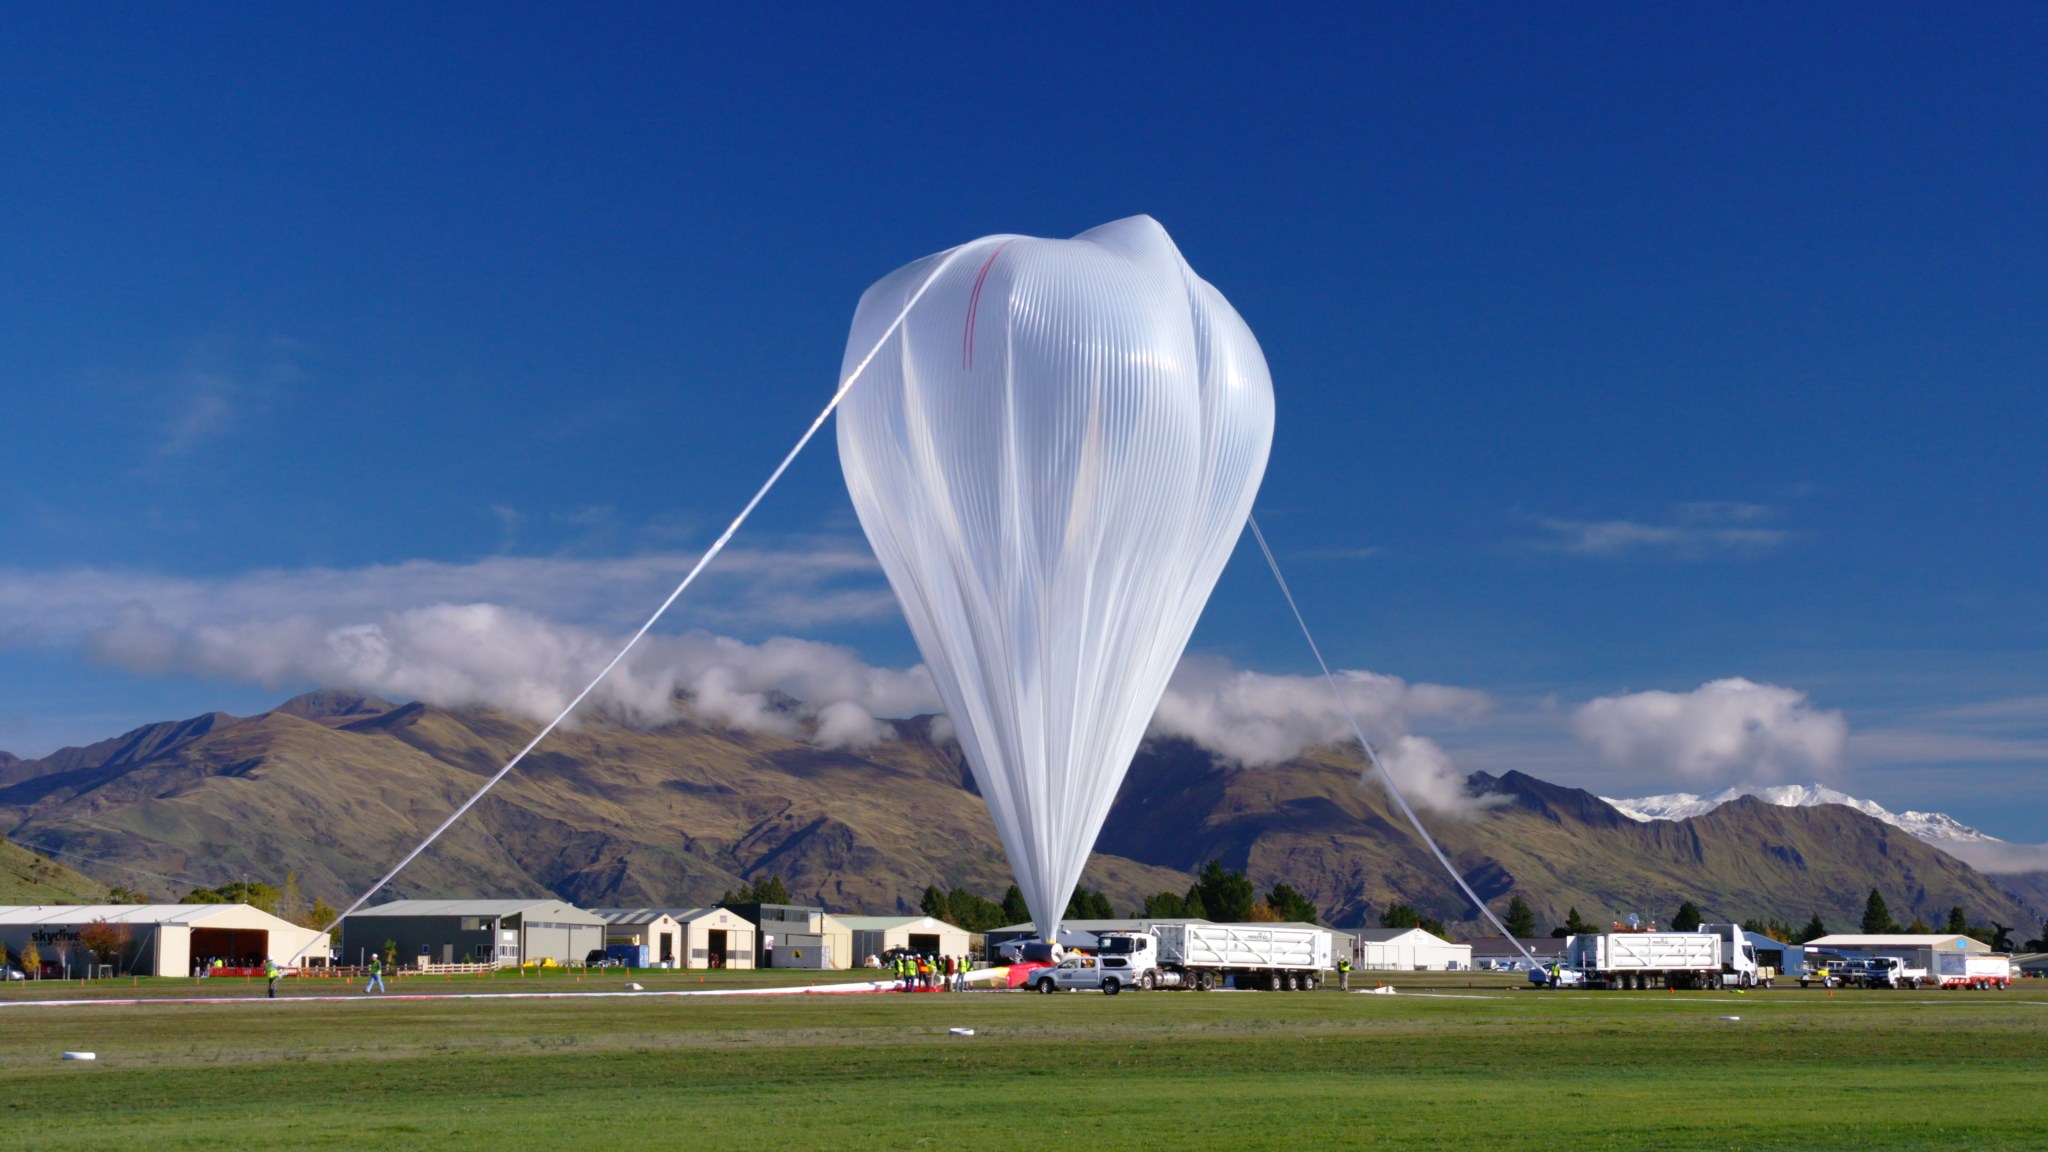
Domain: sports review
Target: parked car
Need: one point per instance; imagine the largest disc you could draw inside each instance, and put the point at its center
(13, 974)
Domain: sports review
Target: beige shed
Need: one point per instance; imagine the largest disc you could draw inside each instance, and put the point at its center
(682, 937)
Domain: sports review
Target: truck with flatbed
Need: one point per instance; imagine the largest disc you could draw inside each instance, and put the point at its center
(1715, 956)
(1197, 955)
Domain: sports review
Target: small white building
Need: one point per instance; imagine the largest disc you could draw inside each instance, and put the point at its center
(681, 937)
(158, 939)
(839, 943)
(1408, 950)
(877, 935)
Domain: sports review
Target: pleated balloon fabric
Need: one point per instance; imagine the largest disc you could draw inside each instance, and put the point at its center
(1053, 459)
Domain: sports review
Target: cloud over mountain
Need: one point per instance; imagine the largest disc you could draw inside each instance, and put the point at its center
(1723, 730)
(524, 635)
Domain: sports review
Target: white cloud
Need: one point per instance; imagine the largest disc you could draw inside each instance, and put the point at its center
(470, 655)
(1997, 856)
(1255, 719)
(1702, 530)
(525, 634)
(1721, 731)
(804, 584)
(1429, 779)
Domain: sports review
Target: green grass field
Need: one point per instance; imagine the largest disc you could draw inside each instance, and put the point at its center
(1444, 1067)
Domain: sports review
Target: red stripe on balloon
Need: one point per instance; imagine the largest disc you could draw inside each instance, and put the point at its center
(974, 305)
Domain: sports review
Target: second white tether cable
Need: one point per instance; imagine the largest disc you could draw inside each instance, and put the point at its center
(1372, 756)
(710, 554)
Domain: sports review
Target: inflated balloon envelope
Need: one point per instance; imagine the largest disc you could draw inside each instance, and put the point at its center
(1053, 457)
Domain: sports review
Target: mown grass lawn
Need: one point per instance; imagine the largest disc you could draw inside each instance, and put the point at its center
(1483, 1070)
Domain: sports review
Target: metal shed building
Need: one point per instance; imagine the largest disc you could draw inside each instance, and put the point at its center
(1408, 950)
(791, 935)
(162, 939)
(503, 932)
(1917, 950)
(681, 937)
(877, 935)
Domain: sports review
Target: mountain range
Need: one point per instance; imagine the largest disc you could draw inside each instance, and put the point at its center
(1933, 827)
(334, 786)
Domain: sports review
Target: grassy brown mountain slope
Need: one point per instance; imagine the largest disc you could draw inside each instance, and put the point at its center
(334, 787)
(1313, 823)
(29, 878)
(600, 815)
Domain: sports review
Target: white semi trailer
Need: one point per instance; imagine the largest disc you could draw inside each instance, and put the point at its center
(1959, 970)
(1713, 957)
(1199, 956)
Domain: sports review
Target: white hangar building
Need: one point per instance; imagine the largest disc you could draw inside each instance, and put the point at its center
(158, 939)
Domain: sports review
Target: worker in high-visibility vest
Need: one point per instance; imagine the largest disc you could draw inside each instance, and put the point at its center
(1344, 974)
(271, 972)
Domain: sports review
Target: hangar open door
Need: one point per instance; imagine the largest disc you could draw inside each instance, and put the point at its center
(237, 947)
(924, 943)
(714, 942)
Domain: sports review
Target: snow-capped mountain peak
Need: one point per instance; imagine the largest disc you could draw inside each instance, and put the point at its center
(1929, 826)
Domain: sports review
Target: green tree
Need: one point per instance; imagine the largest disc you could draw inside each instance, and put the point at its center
(1877, 919)
(1015, 911)
(1958, 924)
(1573, 925)
(2040, 944)
(934, 903)
(1402, 916)
(1292, 905)
(1919, 927)
(1163, 906)
(1191, 904)
(255, 893)
(1814, 930)
(1226, 893)
(970, 910)
(1687, 918)
(1086, 904)
(1519, 921)
(320, 915)
(769, 891)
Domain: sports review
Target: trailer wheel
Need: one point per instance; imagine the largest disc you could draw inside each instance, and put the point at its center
(1205, 982)
(1046, 986)
(1308, 983)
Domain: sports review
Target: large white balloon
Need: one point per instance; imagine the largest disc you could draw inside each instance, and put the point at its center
(1053, 458)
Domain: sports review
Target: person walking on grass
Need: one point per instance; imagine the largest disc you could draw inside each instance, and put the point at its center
(271, 972)
(376, 983)
(1344, 974)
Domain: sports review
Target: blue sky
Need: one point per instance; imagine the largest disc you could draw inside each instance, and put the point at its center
(1615, 350)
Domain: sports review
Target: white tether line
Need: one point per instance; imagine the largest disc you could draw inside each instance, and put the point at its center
(1372, 757)
(710, 554)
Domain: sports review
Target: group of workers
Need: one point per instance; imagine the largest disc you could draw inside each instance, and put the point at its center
(931, 973)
